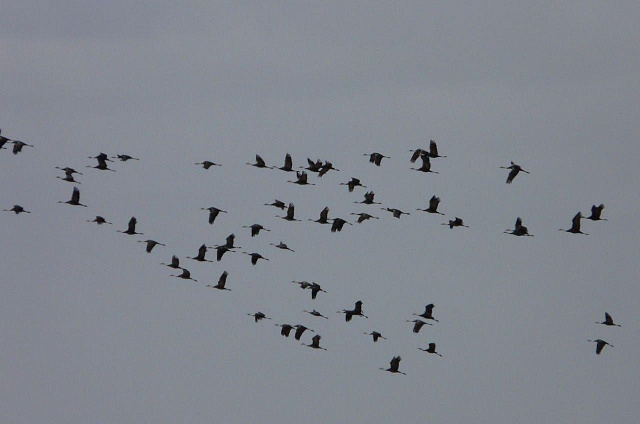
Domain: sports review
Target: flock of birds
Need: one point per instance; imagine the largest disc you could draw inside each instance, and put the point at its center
(321, 168)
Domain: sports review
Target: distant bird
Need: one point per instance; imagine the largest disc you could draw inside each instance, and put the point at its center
(100, 220)
(282, 246)
(368, 199)
(277, 203)
(200, 257)
(596, 211)
(229, 242)
(175, 263)
(363, 217)
(416, 154)
(186, 275)
(376, 157)
(75, 198)
(575, 225)
(326, 167)
(375, 336)
(397, 213)
(258, 316)
(430, 349)
(600, 344)
(426, 165)
(102, 163)
(255, 257)
(301, 179)
(418, 324)
(313, 166)
(428, 313)
(394, 365)
(150, 244)
(208, 164)
(68, 177)
(315, 342)
(285, 329)
(608, 321)
(515, 169)
(433, 150)
(299, 330)
(68, 170)
(303, 284)
(519, 230)
(357, 311)
(124, 158)
(338, 223)
(456, 223)
(259, 163)
(222, 281)
(17, 209)
(131, 228)
(324, 214)
(433, 205)
(290, 213)
(353, 183)
(315, 289)
(101, 157)
(213, 213)
(18, 145)
(288, 163)
(316, 314)
(255, 229)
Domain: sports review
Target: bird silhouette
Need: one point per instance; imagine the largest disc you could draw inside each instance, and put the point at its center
(131, 227)
(315, 342)
(394, 365)
(428, 313)
(338, 223)
(456, 223)
(313, 166)
(255, 229)
(418, 324)
(200, 257)
(426, 164)
(353, 183)
(255, 257)
(285, 329)
(68, 170)
(430, 349)
(288, 164)
(17, 209)
(356, 311)
(608, 321)
(259, 163)
(175, 263)
(301, 179)
(282, 246)
(124, 158)
(208, 164)
(324, 214)
(68, 177)
(150, 244)
(316, 314)
(368, 199)
(375, 336)
(376, 157)
(100, 220)
(519, 230)
(213, 213)
(326, 167)
(258, 316)
(18, 145)
(299, 330)
(186, 275)
(433, 205)
(222, 281)
(600, 344)
(315, 289)
(575, 225)
(397, 213)
(278, 204)
(515, 169)
(433, 150)
(596, 211)
(363, 217)
(290, 213)
(75, 198)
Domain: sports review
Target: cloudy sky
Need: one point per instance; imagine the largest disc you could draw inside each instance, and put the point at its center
(95, 330)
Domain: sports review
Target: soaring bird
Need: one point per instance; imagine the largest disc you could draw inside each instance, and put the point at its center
(433, 150)
(519, 230)
(515, 169)
(102, 162)
(596, 211)
(68, 177)
(316, 314)
(315, 289)
(313, 166)
(426, 165)
(575, 225)
(175, 263)
(353, 183)
(430, 349)
(433, 205)
(303, 284)
(299, 330)
(255, 257)
(259, 163)
(255, 229)
(258, 316)
(376, 336)
(290, 212)
(288, 163)
(208, 164)
(282, 246)
(397, 213)
(428, 313)
(394, 365)
(150, 244)
(68, 170)
(278, 204)
(418, 324)
(213, 213)
(229, 242)
(202, 251)
(315, 342)
(75, 198)
(600, 344)
(416, 154)
(608, 321)
(131, 227)
(186, 275)
(285, 329)
(221, 283)
(100, 220)
(324, 216)
(124, 158)
(356, 311)
(363, 217)
(376, 157)
(326, 167)
(368, 199)
(18, 145)
(456, 223)
(301, 179)
(17, 209)
(338, 223)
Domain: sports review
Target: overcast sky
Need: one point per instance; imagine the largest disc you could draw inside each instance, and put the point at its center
(94, 330)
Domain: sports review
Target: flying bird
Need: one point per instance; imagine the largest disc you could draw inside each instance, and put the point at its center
(353, 183)
(299, 330)
(433, 150)
(326, 167)
(575, 225)
(290, 213)
(259, 163)
(315, 342)
(17, 209)
(301, 179)
(456, 223)
(213, 213)
(285, 329)
(255, 229)
(426, 165)
(18, 145)
(186, 275)
(428, 313)
(596, 211)
(222, 281)
(394, 365)
(515, 169)
(75, 198)
(376, 157)
(433, 205)
(68, 170)
(131, 227)
(258, 316)
(430, 349)
(313, 166)
(608, 321)
(324, 214)
(397, 213)
(356, 311)
(418, 324)
(255, 257)
(363, 217)
(208, 164)
(338, 223)
(277, 203)
(600, 344)
(375, 336)
(150, 244)
(200, 257)
(68, 177)
(100, 220)
(288, 163)
(124, 158)
(519, 230)
(175, 263)
(368, 199)
(282, 246)
(316, 314)
(315, 289)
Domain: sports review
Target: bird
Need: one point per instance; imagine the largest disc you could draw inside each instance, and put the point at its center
(303, 284)
(363, 217)
(596, 211)
(259, 163)
(18, 145)
(255, 229)
(433, 205)
(416, 154)
(17, 209)
(600, 344)
(315, 289)
(290, 212)
(258, 316)
(124, 158)
(316, 314)
(426, 165)
(75, 198)
(202, 251)
(418, 324)
(315, 342)
(299, 330)
(376, 336)
(394, 365)
(285, 329)
(301, 179)
(313, 166)
(397, 213)
(208, 164)
(222, 281)
(68, 177)
(288, 164)
(229, 242)
(175, 263)
(375, 157)
(430, 349)
(220, 251)
(515, 169)
(575, 225)
(324, 213)
(213, 213)
(608, 321)
(338, 223)
(150, 244)
(282, 246)
(519, 230)
(433, 150)
(68, 170)
(368, 199)
(353, 183)
(255, 257)
(131, 228)
(100, 220)
(456, 223)
(428, 312)
(356, 311)
(102, 162)
(326, 167)
(278, 204)
(186, 275)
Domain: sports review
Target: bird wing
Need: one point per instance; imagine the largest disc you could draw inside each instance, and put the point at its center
(576, 222)
(512, 174)
(416, 154)
(599, 346)
(433, 148)
(518, 223)
(288, 163)
(132, 225)
(290, 211)
(259, 161)
(75, 196)
(324, 214)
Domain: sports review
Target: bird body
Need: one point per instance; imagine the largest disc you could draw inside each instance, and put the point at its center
(608, 321)
(515, 169)
(75, 198)
(315, 342)
(213, 213)
(300, 329)
(353, 183)
(175, 263)
(316, 314)
(575, 225)
(131, 227)
(200, 257)
(17, 209)
(290, 213)
(124, 158)
(186, 275)
(431, 349)
(433, 205)
(394, 365)
(397, 213)
(258, 316)
(150, 244)
(338, 223)
(519, 230)
(375, 157)
(100, 220)
(285, 329)
(282, 246)
(222, 281)
(356, 311)
(428, 313)
(278, 204)
(255, 257)
(456, 223)
(376, 335)
(600, 344)
(363, 217)
(596, 211)
(255, 229)
(208, 164)
(418, 324)
(288, 163)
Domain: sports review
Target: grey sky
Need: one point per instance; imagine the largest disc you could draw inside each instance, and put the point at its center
(94, 330)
